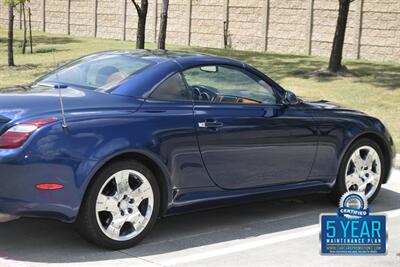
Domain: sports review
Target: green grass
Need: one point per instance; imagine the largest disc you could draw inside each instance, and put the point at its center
(373, 87)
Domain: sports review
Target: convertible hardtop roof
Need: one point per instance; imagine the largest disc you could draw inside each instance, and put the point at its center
(165, 64)
(159, 56)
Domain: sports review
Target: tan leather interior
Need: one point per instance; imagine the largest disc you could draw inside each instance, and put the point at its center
(246, 100)
(116, 77)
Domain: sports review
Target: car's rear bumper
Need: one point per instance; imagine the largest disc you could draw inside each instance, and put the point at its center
(14, 208)
(19, 196)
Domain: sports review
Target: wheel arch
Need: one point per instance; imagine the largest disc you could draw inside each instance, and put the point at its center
(377, 138)
(158, 168)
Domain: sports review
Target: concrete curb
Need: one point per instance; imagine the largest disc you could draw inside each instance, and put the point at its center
(397, 162)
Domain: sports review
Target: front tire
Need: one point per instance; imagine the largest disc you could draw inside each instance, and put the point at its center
(360, 170)
(121, 205)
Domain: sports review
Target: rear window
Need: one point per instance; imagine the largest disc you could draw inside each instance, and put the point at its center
(100, 72)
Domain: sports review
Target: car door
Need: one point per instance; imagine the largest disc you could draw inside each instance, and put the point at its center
(246, 136)
(167, 116)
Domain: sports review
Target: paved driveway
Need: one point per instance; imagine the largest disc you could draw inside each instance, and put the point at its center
(273, 233)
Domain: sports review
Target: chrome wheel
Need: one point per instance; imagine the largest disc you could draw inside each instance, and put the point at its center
(124, 205)
(363, 171)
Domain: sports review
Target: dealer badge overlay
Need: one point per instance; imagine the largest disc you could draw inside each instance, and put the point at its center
(353, 231)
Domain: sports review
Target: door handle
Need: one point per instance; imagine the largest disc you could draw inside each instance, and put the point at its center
(210, 124)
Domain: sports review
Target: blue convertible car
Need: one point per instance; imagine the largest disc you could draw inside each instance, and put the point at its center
(114, 140)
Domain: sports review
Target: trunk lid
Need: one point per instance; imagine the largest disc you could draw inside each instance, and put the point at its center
(29, 102)
(3, 121)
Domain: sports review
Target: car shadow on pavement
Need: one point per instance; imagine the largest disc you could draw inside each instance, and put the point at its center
(47, 241)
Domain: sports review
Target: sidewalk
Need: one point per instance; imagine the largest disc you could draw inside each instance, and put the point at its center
(397, 162)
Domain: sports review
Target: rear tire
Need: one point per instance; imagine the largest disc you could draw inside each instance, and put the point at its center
(369, 166)
(121, 205)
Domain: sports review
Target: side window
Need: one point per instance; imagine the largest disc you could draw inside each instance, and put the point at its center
(172, 88)
(227, 84)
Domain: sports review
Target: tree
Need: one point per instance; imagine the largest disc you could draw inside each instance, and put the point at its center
(10, 36)
(30, 29)
(162, 35)
(335, 60)
(141, 26)
(23, 8)
(10, 41)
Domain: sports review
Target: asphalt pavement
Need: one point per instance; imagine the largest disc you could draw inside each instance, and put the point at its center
(281, 232)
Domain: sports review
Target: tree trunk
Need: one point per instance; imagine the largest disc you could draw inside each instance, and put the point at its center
(10, 35)
(25, 29)
(162, 35)
(141, 27)
(30, 29)
(335, 61)
(20, 16)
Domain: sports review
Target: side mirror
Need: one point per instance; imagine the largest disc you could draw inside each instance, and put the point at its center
(291, 98)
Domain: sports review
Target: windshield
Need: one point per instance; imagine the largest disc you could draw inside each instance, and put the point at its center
(97, 72)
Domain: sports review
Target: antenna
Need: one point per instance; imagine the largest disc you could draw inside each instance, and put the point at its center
(59, 86)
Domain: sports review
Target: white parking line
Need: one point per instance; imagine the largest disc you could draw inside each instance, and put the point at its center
(5, 261)
(263, 240)
(392, 213)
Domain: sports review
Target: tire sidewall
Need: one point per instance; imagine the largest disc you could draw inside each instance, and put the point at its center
(95, 234)
(341, 184)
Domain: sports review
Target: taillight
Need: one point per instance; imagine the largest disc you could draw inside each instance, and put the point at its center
(18, 134)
